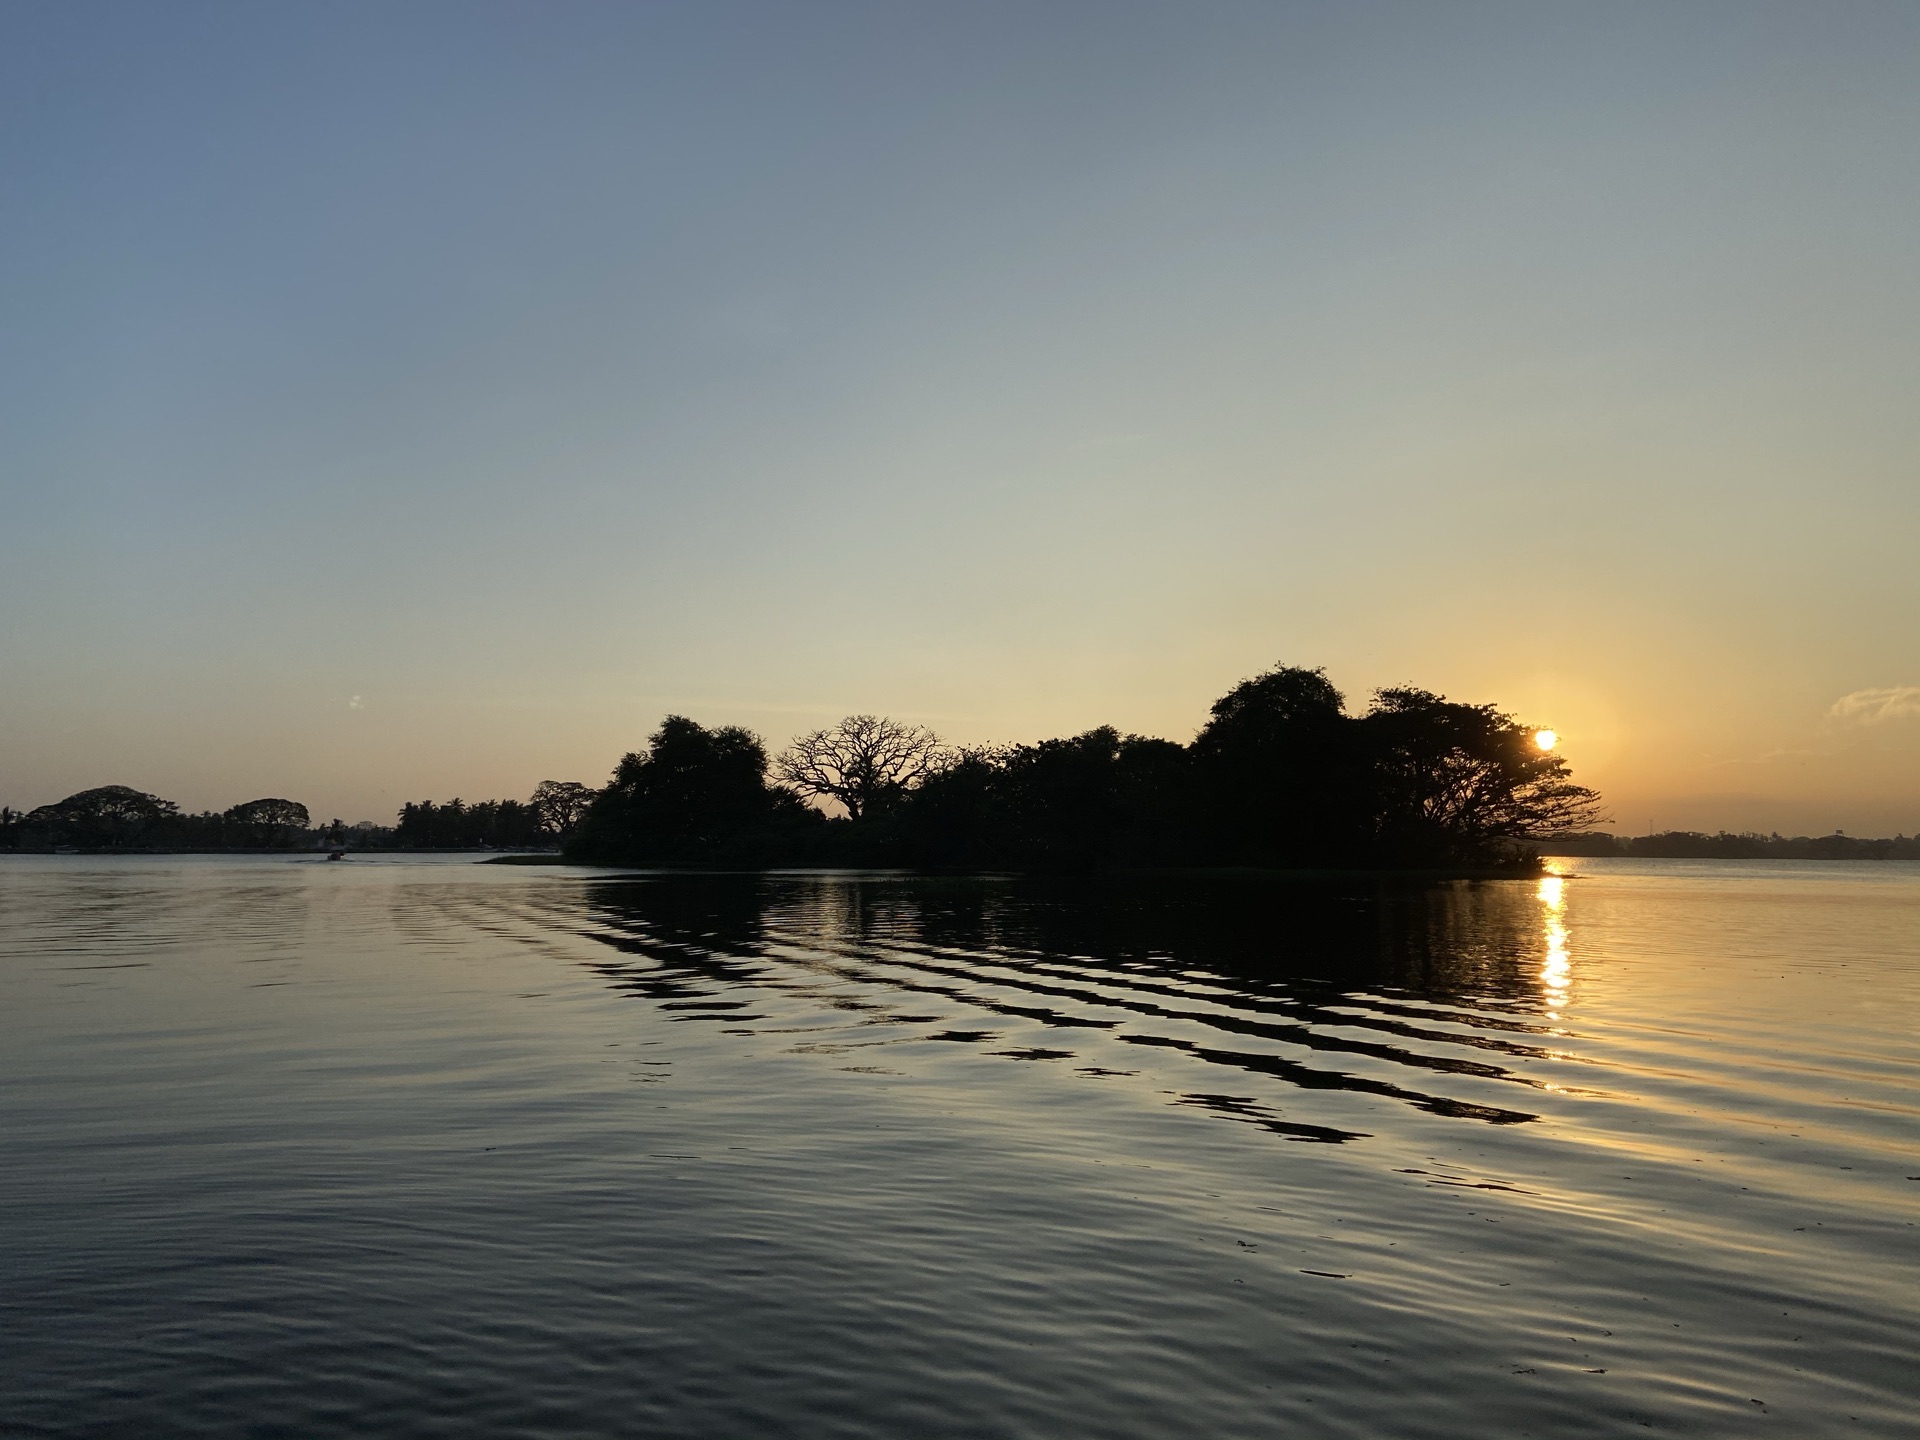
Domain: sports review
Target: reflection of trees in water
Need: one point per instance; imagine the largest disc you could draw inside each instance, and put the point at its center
(699, 932)
(1453, 941)
(1464, 939)
(1333, 986)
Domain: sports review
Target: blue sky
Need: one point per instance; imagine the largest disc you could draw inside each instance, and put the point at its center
(416, 400)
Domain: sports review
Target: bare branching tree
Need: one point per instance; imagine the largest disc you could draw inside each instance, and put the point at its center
(863, 760)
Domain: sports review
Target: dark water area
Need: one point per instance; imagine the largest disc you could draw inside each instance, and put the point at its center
(419, 1147)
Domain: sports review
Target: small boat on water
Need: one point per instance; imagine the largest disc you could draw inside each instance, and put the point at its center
(336, 855)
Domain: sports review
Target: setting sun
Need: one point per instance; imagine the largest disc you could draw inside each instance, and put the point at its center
(1546, 739)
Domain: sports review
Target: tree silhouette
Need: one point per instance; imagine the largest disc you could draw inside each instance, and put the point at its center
(863, 761)
(694, 796)
(1092, 801)
(561, 804)
(107, 816)
(456, 825)
(1279, 776)
(270, 812)
(1455, 782)
(268, 822)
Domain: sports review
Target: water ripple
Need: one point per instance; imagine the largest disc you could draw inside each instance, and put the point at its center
(413, 1148)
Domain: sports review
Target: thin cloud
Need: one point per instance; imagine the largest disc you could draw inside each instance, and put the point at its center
(1766, 757)
(1877, 706)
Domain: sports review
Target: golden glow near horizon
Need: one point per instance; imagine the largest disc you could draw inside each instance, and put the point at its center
(1546, 739)
(1033, 365)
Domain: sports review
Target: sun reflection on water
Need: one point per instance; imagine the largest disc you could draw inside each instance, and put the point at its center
(1556, 974)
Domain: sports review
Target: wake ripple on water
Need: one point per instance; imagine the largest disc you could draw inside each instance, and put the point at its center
(422, 1148)
(1303, 1008)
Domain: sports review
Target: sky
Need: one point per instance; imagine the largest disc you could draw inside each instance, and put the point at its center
(409, 401)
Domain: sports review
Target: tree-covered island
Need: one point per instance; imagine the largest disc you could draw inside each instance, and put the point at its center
(1280, 776)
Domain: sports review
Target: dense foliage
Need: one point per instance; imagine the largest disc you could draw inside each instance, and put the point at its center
(1280, 775)
(538, 823)
(696, 796)
(1693, 845)
(485, 824)
(118, 817)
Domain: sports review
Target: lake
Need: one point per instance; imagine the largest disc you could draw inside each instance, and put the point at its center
(414, 1146)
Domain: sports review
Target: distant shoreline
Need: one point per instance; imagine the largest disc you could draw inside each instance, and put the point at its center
(1726, 845)
(1198, 872)
(1525, 871)
(532, 856)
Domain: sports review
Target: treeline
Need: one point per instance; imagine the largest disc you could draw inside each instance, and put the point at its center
(539, 823)
(1281, 775)
(118, 817)
(486, 824)
(1694, 845)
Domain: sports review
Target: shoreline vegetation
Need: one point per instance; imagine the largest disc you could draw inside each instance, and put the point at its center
(1280, 777)
(1280, 780)
(1726, 845)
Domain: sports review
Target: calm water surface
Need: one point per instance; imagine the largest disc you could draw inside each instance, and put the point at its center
(430, 1148)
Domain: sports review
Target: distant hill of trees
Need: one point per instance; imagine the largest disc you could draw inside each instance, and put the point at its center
(1693, 845)
(118, 817)
(1281, 775)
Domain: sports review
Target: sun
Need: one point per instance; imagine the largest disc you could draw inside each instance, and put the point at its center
(1546, 739)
